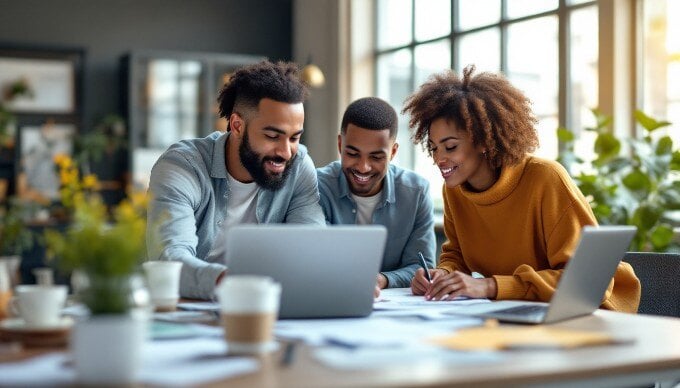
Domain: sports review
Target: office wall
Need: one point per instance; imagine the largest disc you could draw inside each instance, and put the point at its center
(107, 29)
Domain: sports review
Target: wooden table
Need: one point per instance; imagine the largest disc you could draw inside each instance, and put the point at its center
(654, 355)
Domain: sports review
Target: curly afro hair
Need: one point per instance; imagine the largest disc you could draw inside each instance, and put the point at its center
(248, 85)
(370, 113)
(496, 114)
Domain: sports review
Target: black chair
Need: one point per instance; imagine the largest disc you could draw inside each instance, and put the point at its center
(659, 275)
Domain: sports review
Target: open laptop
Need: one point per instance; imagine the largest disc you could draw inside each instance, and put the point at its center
(324, 271)
(582, 284)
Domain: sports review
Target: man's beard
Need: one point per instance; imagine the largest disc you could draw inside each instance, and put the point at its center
(254, 163)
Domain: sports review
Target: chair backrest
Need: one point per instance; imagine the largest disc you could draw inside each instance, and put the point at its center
(659, 275)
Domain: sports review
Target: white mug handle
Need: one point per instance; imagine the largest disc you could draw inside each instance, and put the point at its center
(14, 306)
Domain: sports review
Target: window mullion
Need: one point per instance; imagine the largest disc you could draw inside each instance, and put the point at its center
(564, 89)
(453, 36)
(503, 25)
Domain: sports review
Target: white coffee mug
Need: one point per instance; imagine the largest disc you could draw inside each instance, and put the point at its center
(39, 306)
(249, 306)
(162, 279)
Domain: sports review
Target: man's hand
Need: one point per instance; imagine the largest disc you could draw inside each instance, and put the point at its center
(381, 281)
(449, 286)
(220, 277)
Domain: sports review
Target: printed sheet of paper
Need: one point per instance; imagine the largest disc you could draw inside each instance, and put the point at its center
(168, 362)
(402, 298)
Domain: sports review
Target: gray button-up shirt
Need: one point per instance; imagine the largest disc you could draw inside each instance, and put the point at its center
(405, 209)
(190, 191)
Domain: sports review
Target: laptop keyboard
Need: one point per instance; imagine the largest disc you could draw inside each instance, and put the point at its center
(524, 310)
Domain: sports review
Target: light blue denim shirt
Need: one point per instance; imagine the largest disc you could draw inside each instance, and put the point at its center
(405, 209)
(189, 191)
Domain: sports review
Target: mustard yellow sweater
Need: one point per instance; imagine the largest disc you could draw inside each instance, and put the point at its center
(522, 231)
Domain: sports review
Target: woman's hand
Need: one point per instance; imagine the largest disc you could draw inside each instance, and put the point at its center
(419, 284)
(449, 286)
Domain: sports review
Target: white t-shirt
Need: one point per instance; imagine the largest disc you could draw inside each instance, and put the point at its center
(365, 207)
(241, 207)
(242, 202)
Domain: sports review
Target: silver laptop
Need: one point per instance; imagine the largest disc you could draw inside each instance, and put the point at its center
(324, 271)
(582, 284)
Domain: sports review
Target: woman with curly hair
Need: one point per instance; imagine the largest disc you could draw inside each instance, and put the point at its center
(509, 215)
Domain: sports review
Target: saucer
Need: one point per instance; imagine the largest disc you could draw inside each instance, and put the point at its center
(19, 325)
(16, 329)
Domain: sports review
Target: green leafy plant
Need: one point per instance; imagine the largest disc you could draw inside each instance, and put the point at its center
(107, 136)
(107, 249)
(636, 182)
(15, 89)
(15, 237)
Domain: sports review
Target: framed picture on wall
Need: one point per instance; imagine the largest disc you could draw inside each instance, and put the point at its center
(40, 145)
(40, 81)
(49, 84)
(38, 85)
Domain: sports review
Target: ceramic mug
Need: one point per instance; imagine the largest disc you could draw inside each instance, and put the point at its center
(39, 306)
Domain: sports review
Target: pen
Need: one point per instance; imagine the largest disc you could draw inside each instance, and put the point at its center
(288, 354)
(423, 264)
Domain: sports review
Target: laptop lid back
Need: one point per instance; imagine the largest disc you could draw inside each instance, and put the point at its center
(324, 271)
(589, 271)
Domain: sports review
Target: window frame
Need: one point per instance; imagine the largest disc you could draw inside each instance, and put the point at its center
(606, 96)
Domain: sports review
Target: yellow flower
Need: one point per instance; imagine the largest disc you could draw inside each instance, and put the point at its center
(63, 161)
(138, 199)
(90, 181)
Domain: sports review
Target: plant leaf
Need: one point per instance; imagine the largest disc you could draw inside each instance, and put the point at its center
(675, 161)
(646, 216)
(649, 123)
(606, 146)
(565, 135)
(664, 146)
(602, 121)
(661, 237)
(637, 181)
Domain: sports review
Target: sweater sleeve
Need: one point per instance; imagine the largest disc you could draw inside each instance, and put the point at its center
(623, 293)
(451, 258)
(563, 212)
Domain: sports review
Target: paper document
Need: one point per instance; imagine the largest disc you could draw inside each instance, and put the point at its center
(187, 316)
(359, 332)
(402, 298)
(169, 330)
(165, 363)
(372, 358)
(199, 306)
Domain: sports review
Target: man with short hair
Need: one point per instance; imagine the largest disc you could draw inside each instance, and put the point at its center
(256, 172)
(363, 187)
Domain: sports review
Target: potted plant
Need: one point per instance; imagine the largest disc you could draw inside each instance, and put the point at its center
(637, 184)
(106, 138)
(106, 251)
(15, 236)
(18, 88)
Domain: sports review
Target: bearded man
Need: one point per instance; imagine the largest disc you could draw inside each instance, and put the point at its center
(256, 172)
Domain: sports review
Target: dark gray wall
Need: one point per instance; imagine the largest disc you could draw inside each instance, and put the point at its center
(106, 29)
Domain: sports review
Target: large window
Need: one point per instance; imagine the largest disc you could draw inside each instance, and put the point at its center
(661, 62)
(547, 48)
